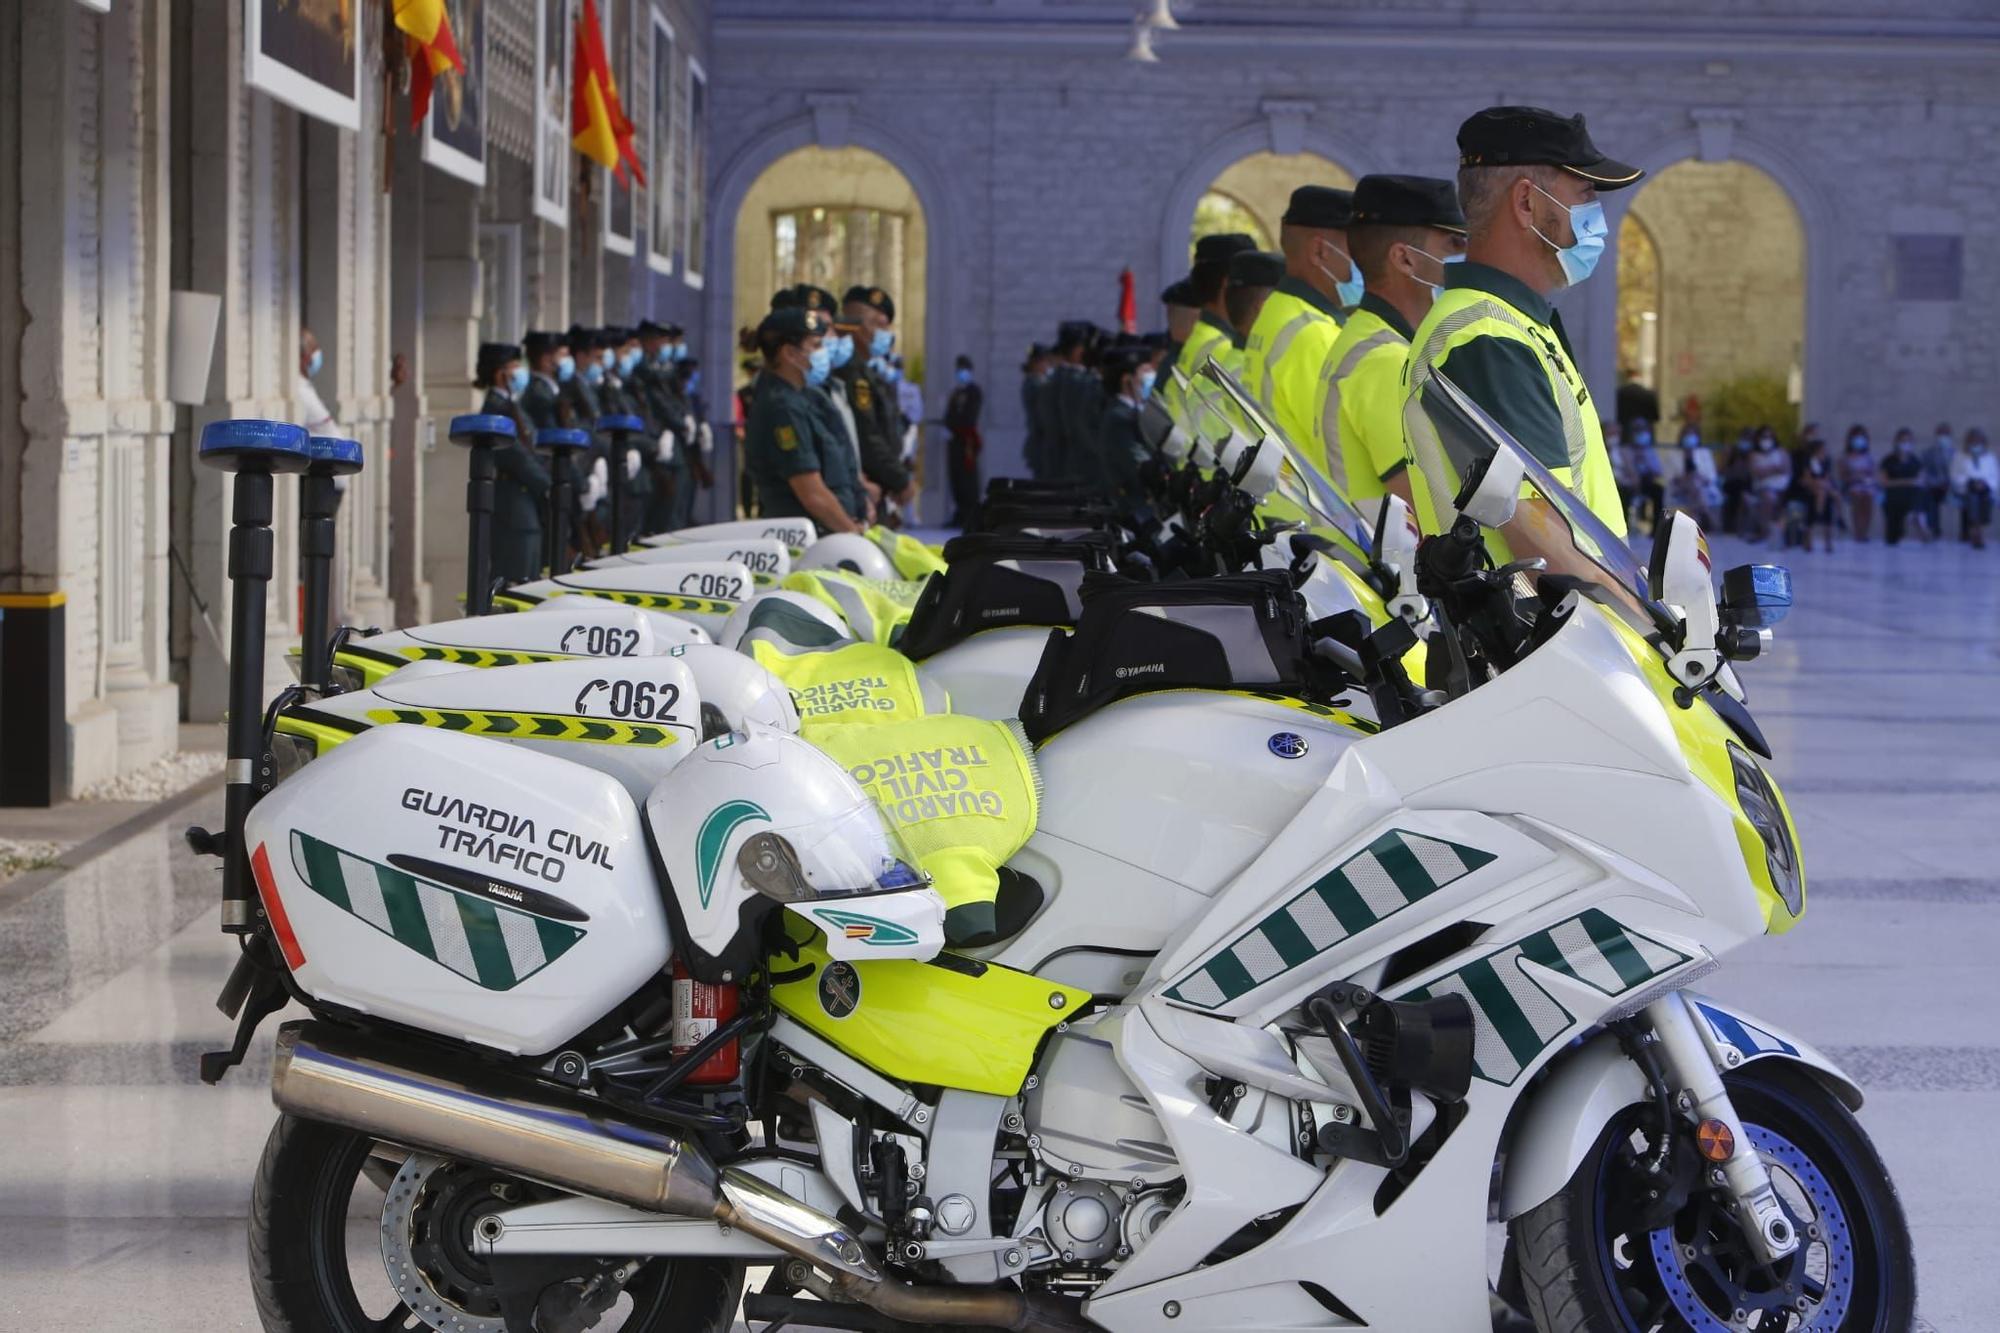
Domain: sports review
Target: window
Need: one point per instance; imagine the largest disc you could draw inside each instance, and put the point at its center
(695, 162)
(834, 247)
(620, 188)
(500, 281)
(1219, 212)
(660, 220)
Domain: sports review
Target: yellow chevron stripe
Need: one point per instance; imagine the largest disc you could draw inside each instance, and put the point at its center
(660, 601)
(534, 726)
(478, 657)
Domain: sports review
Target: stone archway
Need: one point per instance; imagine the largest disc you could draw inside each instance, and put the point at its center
(832, 123)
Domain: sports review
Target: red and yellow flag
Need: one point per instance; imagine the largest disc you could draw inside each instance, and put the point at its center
(433, 50)
(598, 127)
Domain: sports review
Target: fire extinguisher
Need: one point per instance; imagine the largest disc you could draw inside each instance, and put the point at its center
(699, 1009)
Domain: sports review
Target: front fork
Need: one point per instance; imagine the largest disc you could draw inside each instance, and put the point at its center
(1693, 1064)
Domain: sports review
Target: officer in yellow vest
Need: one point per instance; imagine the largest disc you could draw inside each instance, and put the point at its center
(1528, 181)
(1405, 230)
(1253, 276)
(1183, 308)
(1210, 276)
(1287, 346)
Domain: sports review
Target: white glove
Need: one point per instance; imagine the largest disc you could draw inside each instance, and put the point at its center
(707, 434)
(597, 487)
(631, 464)
(664, 452)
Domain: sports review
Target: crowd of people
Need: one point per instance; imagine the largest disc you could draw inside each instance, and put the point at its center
(1756, 487)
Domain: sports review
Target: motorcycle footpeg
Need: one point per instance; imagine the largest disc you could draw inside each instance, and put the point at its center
(204, 842)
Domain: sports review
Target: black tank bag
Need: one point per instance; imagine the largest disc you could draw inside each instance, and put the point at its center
(1239, 631)
(995, 581)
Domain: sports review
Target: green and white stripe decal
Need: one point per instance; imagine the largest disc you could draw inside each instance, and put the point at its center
(493, 946)
(1514, 1018)
(1390, 873)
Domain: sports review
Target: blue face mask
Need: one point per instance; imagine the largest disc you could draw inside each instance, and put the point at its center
(821, 366)
(840, 349)
(1586, 222)
(664, 354)
(517, 380)
(606, 357)
(880, 344)
(964, 376)
(630, 361)
(593, 373)
(565, 368)
(313, 363)
(1146, 379)
(680, 351)
(1347, 290)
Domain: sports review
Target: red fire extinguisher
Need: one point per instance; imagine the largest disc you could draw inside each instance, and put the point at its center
(699, 1009)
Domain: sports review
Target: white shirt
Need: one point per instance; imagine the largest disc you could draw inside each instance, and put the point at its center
(1966, 468)
(316, 419)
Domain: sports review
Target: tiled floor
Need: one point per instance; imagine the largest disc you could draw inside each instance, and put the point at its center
(123, 1181)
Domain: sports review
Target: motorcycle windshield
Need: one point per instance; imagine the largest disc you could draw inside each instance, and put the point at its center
(1554, 514)
(1299, 482)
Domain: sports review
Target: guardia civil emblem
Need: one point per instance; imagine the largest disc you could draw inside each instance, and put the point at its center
(839, 990)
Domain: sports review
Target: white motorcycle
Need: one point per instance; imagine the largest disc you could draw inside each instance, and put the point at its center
(1342, 984)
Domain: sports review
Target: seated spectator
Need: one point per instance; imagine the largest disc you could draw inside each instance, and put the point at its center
(1812, 498)
(1939, 503)
(1649, 496)
(1902, 479)
(1739, 508)
(1858, 483)
(1975, 479)
(1694, 488)
(1771, 477)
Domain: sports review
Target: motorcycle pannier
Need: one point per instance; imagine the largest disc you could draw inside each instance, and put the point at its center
(1240, 631)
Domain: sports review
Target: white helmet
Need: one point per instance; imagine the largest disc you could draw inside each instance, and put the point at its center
(736, 692)
(757, 819)
(788, 619)
(851, 551)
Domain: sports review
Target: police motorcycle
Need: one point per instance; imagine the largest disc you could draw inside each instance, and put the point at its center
(591, 1063)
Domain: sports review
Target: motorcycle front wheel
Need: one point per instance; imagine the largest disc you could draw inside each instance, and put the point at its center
(317, 1247)
(1853, 1272)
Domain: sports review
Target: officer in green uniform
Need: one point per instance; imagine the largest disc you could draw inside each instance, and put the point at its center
(550, 368)
(520, 483)
(1528, 181)
(1285, 350)
(799, 466)
(1080, 407)
(620, 394)
(1072, 347)
(667, 413)
(1034, 379)
(878, 422)
(1210, 279)
(1404, 231)
(1253, 276)
(1121, 450)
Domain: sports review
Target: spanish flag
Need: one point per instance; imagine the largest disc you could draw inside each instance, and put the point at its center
(433, 50)
(598, 127)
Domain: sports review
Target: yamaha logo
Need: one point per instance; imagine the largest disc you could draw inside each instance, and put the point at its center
(1144, 668)
(1288, 745)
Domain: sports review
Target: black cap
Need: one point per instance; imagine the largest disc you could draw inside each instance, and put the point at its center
(1217, 247)
(787, 324)
(539, 342)
(1319, 206)
(805, 296)
(1528, 136)
(672, 330)
(1256, 268)
(1407, 201)
(1180, 293)
(648, 329)
(492, 356)
(578, 338)
(873, 297)
(1075, 333)
(612, 336)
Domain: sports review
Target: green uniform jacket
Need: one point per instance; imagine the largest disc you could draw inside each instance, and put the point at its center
(520, 492)
(877, 425)
(1503, 345)
(787, 435)
(1121, 449)
(1284, 356)
(1080, 395)
(1049, 421)
(1358, 418)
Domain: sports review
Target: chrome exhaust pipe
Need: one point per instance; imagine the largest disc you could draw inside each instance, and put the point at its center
(325, 1074)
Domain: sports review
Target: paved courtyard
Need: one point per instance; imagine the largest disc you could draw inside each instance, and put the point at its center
(123, 1181)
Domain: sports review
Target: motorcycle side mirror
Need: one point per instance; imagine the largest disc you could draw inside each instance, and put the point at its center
(1756, 596)
(1678, 578)
(1493, 491)
(1155, 423)
(1395, 549)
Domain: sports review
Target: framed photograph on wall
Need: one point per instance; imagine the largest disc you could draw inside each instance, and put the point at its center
(455, 131)
(621, 194)
(306, 53)
(694, 162)
(553, 33)
(660, 231)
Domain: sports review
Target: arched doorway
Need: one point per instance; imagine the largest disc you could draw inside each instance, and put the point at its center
(1250, 194)
(1711, 299)
(835, 217)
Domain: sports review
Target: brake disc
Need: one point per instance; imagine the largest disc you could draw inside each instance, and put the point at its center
(424, 1253)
